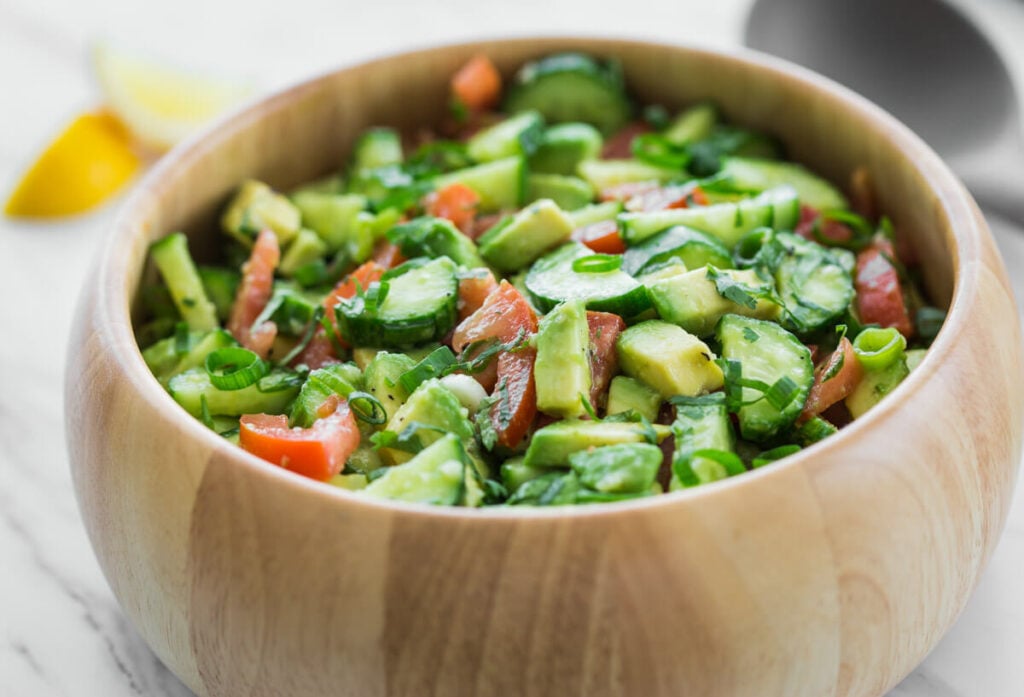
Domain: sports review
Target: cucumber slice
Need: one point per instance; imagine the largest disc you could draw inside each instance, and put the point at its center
(702, 423)
(813, 283)
(570, 193)
(778, 208)
(625, 468)
(331, 216)
(570, 87)
(419, 306)
(516, 135)
(552, 445)
(564, 146)
(435, 237)
(189, 388)
(551, 280)
(339, 379)
(172, 258)
(500, 184)
(377, 147)
(693, 248)
(768, 353)
(221, 285)
(604, 174)
(381, 380)
(759, 174)
(436, 475)
(595, 213)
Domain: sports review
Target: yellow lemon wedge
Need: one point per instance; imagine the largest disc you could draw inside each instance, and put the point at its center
(86, 164)
(160, 104)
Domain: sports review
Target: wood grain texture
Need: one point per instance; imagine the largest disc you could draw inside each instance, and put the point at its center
(833, 573)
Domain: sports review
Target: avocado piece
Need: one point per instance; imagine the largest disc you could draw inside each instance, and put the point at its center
(626, 468)
(305, 248)
(563, 146)
(669, 359)
(531, 232)
(338, 379)
(627, 394)
(595, 213)
(702, 423)
(692, 300)
(516, 135)
(435, 237)
(257, 207)
(570, 193)
(875, 385)
(381, 379)
(431, 404)
(351, 482)
(331, 216)
(693, 124)
(515, 473)
(552, 445)
(377, 147)
(562, 372)
(436, 475)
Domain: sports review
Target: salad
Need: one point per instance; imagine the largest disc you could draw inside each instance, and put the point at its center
(555, 297)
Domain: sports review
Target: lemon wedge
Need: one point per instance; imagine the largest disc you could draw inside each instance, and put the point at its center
(161, 105)
(88, 162)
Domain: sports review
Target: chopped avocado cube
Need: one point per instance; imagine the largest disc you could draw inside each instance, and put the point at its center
(172, 258)
(702, 423)
(669, 359)
(376, 148)
(257, 207)
(500, 184)
(570, 193)
(351, 482)
(627, 394)
(514, 473)
(564, 146)
(435, 237)
(696, 123)
(339, 379)
(618, 469)
(516, 135)
(696, 302)
(552, 445)
(331, 216)
(533, 231)
(432, 405)
(875, 385)
(305, 248)
(436, 475)
(562, 367)
(381, 379)
(221, 286)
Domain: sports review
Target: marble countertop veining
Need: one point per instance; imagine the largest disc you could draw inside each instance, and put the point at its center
(61, 632)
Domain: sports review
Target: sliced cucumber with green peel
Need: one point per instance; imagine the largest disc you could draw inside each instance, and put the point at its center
(501, 184)
(172, 258)
(604, 174)
(813, 283)
(436, 475)
(777, 208)
(191, 387)
(767, 353)
(516, 135)
(339, 379)
(435, 237)
(761, 174)
(552, 280)
(563, 146)
(595, 213)
(693, 248)
(382, 380)
(570, 193)
(331, 216)
(419, 305)
(569, 87)
(702, 423)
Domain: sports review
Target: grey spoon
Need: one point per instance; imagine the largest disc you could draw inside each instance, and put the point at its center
(924, 61)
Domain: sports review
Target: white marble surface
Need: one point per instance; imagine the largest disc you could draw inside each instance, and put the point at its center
(62, 632)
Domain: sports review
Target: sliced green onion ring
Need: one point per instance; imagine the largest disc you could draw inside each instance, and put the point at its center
(656, 149)
(769, 456)
(878, 348)
(234, 368)
(597, 263)
(367, 408)
(730, 461)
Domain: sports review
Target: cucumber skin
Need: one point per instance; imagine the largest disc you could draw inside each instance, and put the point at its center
(558, 264)
(172, 258)
(188, 387)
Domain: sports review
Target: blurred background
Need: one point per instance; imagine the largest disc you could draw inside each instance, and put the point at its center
(62, 632)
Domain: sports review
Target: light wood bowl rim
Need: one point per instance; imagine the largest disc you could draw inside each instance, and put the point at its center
(968, 233)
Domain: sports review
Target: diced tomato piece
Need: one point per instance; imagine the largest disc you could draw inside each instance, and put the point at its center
(621, 144)
(831, 230)
(605, 328)
(361, 278)
(662, 198)
(845, 378)
(503, 314)
(387, 254)
(477, 84)
(602, 237)
(879, 293)
(473, 291)
(456, 202)
(318, 452)
(318, 352)
(513, 412)
(628, 190)
(253, 294)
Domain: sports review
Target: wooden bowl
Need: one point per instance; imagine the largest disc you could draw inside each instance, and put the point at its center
(832, 573)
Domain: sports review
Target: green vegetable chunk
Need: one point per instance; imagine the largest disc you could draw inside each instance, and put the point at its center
(619, 469)
(562, 368)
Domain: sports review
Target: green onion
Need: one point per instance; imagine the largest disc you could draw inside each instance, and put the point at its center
(234, 368)
(182, 342)
(784, 391)
(597, 263)
(204, 413)
(367, 408)
(432, 366)
(307, 336)
(730, 461)
(281, 380)
(769, 456)
(878, 348)
(656, 149)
